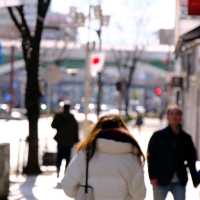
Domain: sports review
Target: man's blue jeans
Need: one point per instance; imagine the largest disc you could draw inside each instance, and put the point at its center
(177, 190)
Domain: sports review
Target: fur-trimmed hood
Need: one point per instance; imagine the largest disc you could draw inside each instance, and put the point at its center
(115, 141)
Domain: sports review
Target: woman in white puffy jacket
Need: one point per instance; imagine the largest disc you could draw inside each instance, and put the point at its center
(115, 163)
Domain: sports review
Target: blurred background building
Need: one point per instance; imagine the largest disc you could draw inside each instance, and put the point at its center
(63, 63)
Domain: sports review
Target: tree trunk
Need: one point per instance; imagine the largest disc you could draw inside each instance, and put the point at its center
(128, 87)
(32, 103)
(32, 166)
(31, 52)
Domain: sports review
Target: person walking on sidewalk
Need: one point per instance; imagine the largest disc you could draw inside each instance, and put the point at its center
(115, 163)
(139, 120)
(170, 152)
(66, 136)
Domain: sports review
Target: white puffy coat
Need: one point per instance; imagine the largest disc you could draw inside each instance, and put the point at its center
(114, 172)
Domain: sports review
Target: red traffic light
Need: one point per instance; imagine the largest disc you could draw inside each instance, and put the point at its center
(157, 91)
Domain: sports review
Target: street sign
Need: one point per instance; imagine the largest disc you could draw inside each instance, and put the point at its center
(96, 62)
(166, 36)
(177, 81)
(8, 3)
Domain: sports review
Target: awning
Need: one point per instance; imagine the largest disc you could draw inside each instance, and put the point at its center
(187, 38)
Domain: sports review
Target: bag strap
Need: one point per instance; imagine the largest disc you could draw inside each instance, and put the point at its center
(86, 171)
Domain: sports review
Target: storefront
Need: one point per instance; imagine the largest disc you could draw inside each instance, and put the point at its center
(188, 52)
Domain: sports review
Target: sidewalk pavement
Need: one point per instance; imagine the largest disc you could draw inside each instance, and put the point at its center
(47, 186)
(41, 187)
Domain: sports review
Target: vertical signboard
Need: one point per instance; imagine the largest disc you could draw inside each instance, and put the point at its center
(187, 21)
(193, 7)
(166, 36)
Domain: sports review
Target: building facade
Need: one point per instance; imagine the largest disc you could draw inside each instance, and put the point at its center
(188, 52)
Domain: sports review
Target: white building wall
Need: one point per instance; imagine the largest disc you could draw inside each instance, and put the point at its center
(191, 108)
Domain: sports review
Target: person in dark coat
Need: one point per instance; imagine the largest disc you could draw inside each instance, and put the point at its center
(170, 152)
(139, 120)
(66, 136)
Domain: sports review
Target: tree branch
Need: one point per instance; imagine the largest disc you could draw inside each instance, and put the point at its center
(14, 19)
(25, 28)
(46, 4)
(43, 6)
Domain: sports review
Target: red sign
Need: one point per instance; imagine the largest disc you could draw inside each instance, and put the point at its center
(193, 7)
(96, 62)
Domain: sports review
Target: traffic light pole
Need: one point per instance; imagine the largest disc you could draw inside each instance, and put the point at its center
(87, 82)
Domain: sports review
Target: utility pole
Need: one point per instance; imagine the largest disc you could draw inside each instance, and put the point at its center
(95, 13)
(99, 75)
(103, 21)
(11, 87)
(87, 81)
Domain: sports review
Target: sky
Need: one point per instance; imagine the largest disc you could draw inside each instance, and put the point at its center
(132, 22)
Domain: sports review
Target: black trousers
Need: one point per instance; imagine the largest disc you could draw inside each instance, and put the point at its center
(63, 152)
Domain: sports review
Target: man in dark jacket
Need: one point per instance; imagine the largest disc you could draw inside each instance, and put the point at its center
(66, 136)
(170, 152)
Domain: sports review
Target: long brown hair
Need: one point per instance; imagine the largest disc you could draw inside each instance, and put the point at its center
(106, 122)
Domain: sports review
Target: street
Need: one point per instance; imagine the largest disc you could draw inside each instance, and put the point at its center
(38, 188)
(133, 58)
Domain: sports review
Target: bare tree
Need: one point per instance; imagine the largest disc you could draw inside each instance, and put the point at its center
(126, 61)
(133, 58)
(119, 62)
(31, 50)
